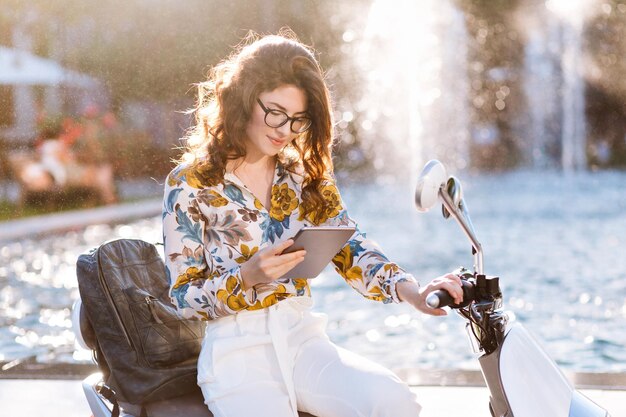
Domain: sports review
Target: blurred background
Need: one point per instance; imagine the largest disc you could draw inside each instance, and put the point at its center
(524, 100)
(486, 85)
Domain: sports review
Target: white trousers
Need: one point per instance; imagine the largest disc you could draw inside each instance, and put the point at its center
(275, 361)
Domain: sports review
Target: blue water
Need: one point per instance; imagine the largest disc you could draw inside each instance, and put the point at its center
(558, 243)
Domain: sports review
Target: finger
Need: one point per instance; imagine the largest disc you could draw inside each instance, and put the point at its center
(283, 268)
(435, 311)
(277, 261)
(278, 249)
(289, 265)
(287, 257)
(454, 289)
(454, 277)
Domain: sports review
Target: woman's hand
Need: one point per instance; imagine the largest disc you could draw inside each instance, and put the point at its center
(268, 265)
(410, 292)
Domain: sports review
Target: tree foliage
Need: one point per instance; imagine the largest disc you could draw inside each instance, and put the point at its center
(154, 49)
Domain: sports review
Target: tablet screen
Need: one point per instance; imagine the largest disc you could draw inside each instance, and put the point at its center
(321, 244)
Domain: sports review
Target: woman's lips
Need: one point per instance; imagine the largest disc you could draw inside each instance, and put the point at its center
(276, 142)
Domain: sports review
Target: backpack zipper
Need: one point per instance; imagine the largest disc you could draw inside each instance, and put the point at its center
(150, 301)
(107, 292)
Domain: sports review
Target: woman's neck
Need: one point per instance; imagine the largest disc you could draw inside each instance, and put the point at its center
(252, 164)
(257, 176)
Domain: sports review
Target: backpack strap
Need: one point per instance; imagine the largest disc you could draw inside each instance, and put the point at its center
(109, 394)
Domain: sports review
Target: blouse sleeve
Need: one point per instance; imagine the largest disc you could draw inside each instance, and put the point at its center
(361, 262)
(200, 287)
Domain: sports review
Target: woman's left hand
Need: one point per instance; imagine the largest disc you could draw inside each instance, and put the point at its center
(411, 293)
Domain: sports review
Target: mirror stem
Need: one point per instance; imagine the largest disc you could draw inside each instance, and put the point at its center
(466, 226)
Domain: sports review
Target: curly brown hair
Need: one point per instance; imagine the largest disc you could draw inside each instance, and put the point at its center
(225, 103)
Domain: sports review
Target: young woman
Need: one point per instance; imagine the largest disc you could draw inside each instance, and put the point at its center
(258, 169)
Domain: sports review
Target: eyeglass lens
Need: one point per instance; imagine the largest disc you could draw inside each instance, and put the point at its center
(277, 118)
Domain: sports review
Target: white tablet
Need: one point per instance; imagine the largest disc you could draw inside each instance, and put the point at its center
(321, 244)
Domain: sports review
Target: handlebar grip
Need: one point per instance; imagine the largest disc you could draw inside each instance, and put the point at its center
(439, 299)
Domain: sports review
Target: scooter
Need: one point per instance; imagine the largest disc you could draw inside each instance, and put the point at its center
(522, 379)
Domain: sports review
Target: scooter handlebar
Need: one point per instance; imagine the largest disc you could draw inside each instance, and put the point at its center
(439, 299)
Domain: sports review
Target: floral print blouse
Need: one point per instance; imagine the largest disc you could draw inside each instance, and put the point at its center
(210, 231)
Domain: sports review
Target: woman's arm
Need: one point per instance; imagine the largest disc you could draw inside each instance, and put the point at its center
(200, 287)
(415, 295)
(362, 263)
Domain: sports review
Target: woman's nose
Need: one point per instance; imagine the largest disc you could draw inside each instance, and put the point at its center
(284, 130)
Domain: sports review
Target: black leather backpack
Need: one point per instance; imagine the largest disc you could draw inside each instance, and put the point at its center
(146, 351)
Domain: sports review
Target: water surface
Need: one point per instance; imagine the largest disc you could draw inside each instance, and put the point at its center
(557, 242)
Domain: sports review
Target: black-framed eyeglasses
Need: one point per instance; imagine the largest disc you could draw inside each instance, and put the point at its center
(277, 118)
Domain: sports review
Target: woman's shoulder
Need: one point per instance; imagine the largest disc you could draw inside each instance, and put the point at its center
(193, 175)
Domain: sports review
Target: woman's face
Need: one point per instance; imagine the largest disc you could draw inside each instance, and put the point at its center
(263, 140)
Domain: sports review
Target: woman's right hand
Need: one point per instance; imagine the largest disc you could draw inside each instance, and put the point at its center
(410, 292)
(269, 264)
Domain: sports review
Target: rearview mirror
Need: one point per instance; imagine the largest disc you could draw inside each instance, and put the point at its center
(429, 183)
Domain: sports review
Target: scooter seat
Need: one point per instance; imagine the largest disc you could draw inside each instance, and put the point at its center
(191, 405)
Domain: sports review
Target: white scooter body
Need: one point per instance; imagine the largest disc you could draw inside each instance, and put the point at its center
(525, 382)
